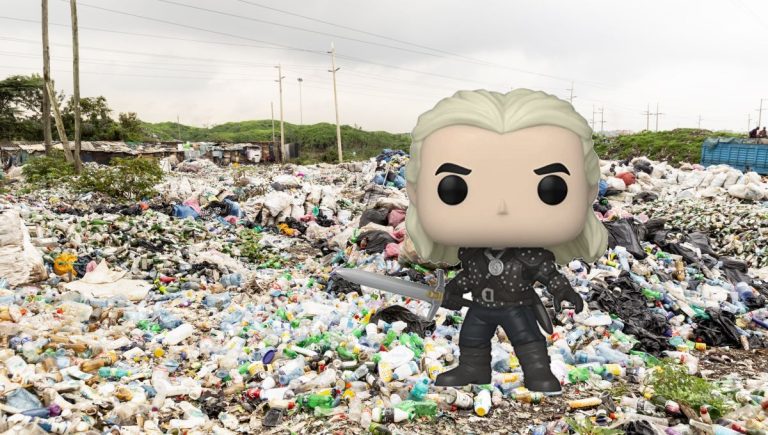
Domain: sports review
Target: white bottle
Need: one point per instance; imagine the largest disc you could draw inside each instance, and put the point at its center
(483, 403)
(179, 334)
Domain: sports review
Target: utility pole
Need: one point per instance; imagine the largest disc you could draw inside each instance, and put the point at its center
(593, 117)
(59, 123)
(280, 78)
(657, 116)
(301, 109)
(335, 99)
(602, 119)
(571, 91)
(178, 127)
(76, 83)
(699, 122)
(749, 121)
(760, 112)
(46, 80)
(647, 114)
(272, 109)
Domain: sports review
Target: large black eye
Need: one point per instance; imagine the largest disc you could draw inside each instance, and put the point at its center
(452, 189)
(552, 189)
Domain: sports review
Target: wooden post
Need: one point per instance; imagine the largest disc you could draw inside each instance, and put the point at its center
(336, 100)
(59, 123)
(76, 83)
(46, 79)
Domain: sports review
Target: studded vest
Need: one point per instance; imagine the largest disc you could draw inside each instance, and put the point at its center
(507, 284)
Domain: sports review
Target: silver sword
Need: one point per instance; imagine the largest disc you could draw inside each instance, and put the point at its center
(432, 295)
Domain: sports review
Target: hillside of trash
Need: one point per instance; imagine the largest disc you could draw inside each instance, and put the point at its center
(214, 307)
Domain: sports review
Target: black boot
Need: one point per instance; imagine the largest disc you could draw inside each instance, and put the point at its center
(474, 368)
(537, 376)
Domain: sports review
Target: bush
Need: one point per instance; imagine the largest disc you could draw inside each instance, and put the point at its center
(47, 170)
(127, 178)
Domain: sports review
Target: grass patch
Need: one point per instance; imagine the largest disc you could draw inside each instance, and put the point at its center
(674, 146)
(587, 427)
(672, 381)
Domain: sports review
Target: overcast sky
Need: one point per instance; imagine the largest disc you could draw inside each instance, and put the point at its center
(211, 62)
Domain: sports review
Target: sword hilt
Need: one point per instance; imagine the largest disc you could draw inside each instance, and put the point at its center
(437, 294)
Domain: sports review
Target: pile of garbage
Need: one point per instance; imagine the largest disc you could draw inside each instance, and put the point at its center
(214, 307)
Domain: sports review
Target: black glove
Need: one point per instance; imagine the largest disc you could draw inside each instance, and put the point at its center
(570, 295)
(452, 301)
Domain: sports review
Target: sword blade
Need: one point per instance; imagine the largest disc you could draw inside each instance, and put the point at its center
(387, 283)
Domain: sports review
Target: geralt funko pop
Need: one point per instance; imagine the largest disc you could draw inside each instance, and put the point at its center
(504, 184)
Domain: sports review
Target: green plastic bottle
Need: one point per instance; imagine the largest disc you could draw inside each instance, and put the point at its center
(391, 336)
(652, 294)
(345, 354)
(418, 408)
(578, 374)
(316, 400)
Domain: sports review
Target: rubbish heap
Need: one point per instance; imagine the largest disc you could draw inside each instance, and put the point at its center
(214, 308)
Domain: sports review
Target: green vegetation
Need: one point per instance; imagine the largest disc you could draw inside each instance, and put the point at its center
(124, 178)
(21, 102)
(585, 426)
(248, 244)
(672, 381)
(674, 146)
(317, 142)
(45, 171)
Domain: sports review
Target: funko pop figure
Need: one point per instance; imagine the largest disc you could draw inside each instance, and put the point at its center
(504, 185)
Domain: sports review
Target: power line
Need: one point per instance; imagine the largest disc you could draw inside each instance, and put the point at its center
(272, 23)
(378, 35)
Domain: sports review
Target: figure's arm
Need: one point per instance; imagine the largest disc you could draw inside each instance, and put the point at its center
(544, 270)
(455, 288)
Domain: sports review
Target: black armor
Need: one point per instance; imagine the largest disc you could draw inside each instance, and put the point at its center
(501, 282)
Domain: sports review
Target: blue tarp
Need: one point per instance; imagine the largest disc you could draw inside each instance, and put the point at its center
(184, 211)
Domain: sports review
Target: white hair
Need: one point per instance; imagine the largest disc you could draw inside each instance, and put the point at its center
(505, 113)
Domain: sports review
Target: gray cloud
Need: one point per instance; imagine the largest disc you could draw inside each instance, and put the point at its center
(695, 57)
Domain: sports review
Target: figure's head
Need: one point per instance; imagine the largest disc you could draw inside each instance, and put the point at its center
(503, 170)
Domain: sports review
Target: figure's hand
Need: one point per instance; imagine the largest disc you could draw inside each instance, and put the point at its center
(452, 301)
(571, 296)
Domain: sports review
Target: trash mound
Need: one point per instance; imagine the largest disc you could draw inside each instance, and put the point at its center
(214, 308)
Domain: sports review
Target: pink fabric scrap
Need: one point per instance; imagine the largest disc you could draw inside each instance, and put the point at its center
(231, 219)
(398, 235)
(91, 266)
(194, 203)
(392, 250)
(395, 217)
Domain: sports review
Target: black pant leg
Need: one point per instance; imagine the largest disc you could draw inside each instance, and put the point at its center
(477, 330)
(521, 326)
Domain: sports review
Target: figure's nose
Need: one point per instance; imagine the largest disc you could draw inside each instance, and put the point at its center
(502, 209)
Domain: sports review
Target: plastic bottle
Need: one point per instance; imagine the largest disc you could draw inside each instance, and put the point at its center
(292, 370)
(389, 415)
(483, 403)
(405, 371)
(97, 363)
(458, 398)
(179, 334)
(420, 390)
(316, 400)
(418, 408)
(610, 354)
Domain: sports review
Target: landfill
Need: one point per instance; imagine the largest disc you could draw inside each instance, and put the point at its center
(214, 307)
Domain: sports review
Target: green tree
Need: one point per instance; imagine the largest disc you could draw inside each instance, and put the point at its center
(96, 121)
(130, 127)
(21, 101)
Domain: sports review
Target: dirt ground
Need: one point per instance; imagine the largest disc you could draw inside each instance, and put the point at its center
(512, 417)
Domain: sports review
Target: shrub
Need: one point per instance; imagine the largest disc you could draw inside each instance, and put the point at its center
(47, 170)
(127, 178)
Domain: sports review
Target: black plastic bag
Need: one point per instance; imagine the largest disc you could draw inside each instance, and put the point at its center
(416, 324)
(626, 233)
